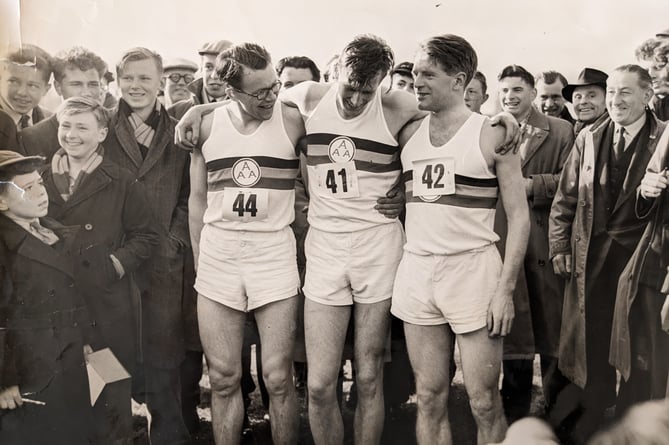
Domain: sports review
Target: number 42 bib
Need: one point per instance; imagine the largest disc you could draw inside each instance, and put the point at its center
(433, 177)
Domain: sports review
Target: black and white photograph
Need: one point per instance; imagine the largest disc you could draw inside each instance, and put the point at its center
(351, 222)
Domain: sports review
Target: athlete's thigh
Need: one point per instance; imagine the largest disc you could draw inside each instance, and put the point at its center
(221, 333)
(372, 322)
(429, 352)
(481, 358)
(277, 323)
(324, 334)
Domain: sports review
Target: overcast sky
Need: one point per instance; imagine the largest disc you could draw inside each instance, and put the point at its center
(565, 35)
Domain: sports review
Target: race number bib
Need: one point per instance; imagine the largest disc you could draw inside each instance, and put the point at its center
(337, 180)
(433, 177)
(245, 204)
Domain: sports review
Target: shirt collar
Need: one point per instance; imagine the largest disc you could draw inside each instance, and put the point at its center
(16, 117)
(632, 129)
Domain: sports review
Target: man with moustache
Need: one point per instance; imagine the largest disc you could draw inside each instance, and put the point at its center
(76, 72)
(593, 231)
(179, 73)
(549, 99)
(544, 147)
(588, 95)
(141, 139)
(208, 88)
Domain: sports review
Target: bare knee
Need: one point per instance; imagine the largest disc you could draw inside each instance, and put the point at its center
(321, 391)
(484, 403)
(224, 380)
(369, 383)
(432, 400)
(278, 380)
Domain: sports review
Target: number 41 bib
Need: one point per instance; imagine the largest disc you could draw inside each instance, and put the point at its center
(337, 180)
(433, 177)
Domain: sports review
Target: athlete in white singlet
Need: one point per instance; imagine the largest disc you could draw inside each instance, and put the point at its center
(451, 273)
(241, 205)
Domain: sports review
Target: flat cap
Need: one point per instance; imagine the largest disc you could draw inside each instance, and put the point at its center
(180, 63)
(215, 47)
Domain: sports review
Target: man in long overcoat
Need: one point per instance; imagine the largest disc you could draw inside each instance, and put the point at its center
(593, 230)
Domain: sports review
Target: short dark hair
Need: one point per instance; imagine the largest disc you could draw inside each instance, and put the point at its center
(299, 62)
(80, 58)
(481, 78)
(229, 63)
(9, 172)
(550, 77)
(646, 51)
(366, 56)
(32, 54)
(645, 81)
(137, 54)
(517, 71)
(453, 53)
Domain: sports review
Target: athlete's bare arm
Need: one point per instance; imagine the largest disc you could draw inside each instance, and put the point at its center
(511, 186)
(197, 201)
(305, 96)
(187, 131)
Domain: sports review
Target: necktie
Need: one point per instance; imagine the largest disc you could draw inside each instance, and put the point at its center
(619, 148)
(24, 122)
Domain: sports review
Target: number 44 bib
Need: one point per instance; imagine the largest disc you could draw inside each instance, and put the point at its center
(245, 204)
(433, 177)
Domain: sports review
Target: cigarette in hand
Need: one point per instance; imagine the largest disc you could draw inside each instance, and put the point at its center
(34, 402)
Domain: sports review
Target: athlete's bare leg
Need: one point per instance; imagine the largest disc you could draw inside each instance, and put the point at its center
(324, 335)
(222, 332)
(430, 350)
(372, 322)
(481, 358)
(277, 324)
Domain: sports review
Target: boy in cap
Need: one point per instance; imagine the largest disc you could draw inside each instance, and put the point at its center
(44, 397)
(401, 77)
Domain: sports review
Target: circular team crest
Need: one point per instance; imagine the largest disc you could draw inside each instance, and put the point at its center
(341, 149)
(246, 172)
(431, 198)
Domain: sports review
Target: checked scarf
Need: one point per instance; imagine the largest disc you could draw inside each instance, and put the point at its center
(60, 167)
(143, 130)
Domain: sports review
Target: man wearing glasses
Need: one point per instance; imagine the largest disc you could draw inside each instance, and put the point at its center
(241, 205)
(178, 74)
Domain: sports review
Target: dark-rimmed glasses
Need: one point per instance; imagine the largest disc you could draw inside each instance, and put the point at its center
(263, 93)
(176, 77)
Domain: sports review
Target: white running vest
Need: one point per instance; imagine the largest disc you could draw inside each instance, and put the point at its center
(451, 193)
(250, 178)
(351, 163)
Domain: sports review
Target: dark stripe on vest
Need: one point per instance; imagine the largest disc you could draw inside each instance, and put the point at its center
(360, 144)
(459, 179)
(263, 161)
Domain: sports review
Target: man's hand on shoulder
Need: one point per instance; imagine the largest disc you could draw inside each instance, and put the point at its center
(187, 131)
(512, 132)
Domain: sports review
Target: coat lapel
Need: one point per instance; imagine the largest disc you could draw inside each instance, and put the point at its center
(30, 247)
(126, 137)
(540, 126)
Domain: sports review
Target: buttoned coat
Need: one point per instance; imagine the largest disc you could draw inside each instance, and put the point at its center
(112, 210)
(539, 292)
(164, 174)
(42, 323)
(571, 226)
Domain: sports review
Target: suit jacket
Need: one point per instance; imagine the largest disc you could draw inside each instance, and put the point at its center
(579, 193)
(538, 294)
(180, 108)
(40, 139)
(113, 211)
(165, 176)
(38, 114)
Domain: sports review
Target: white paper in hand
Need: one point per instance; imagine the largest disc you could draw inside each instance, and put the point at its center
(103, 367)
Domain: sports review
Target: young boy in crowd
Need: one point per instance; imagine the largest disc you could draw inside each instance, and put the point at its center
(44, 395)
